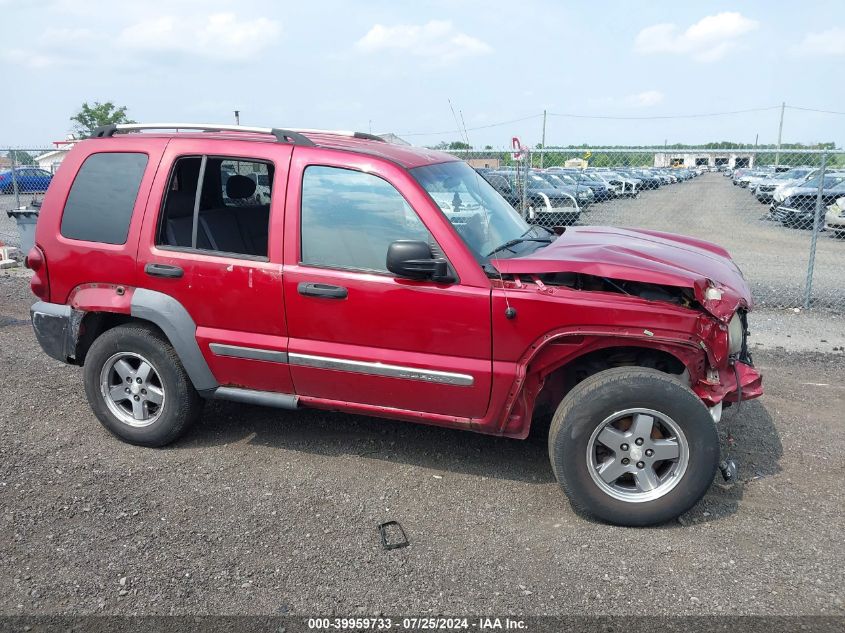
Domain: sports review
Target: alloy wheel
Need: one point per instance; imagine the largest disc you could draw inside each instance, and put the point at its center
(132, 389)
(637, 455)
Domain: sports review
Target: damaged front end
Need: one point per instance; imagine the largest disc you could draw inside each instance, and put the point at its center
(657, 267)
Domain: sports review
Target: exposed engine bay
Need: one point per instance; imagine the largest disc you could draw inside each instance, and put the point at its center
(591, 283)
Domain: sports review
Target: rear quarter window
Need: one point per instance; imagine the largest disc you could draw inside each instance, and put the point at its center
(101, 200)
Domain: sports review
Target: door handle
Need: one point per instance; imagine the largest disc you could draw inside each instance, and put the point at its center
(327, 291)
(163, 270)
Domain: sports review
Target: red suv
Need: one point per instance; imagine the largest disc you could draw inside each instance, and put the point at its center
(334, 270)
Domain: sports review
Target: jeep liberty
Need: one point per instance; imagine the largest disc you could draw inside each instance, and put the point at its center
(303, 268)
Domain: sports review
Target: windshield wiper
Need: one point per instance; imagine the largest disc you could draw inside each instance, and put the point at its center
(519, 240)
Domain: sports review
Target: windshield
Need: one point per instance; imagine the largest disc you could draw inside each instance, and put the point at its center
(829, 181)
(535, 181)
(567, 179)
(480, 215)
(558, 180)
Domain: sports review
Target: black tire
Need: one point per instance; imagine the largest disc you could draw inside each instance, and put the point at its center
(591, 402)
(182, 405)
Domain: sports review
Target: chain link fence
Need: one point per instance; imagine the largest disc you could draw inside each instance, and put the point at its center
(781, 214)
(25, 174)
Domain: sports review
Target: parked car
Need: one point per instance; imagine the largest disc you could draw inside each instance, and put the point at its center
(503, 187)
(799, 208)
(583, 194)
(764, 192)
(834, 219)
(748, 176)
(623, 185)
(353, 291)
(601, 190)
(647, 178)
(737, 174)
(29, 180)
(782, 191)
(548, 206)
(808, 184)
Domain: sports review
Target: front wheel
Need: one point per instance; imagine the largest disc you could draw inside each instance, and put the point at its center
(633, 446)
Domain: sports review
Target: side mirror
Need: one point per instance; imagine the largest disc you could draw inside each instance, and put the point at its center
(412, 259)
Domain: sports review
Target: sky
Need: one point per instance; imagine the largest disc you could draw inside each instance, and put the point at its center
(395, 66)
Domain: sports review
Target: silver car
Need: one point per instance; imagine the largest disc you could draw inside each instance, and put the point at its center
(765, 188)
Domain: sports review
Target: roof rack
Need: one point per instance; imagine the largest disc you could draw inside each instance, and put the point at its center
(362, 135)
(282, 136)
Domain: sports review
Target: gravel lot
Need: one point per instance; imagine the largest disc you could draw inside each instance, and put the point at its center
(258, 511)
(772, 257)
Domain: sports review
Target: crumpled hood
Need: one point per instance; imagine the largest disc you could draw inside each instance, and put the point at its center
(644, 256)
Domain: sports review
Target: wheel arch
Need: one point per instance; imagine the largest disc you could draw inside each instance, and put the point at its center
(560, 363)
(161, 311)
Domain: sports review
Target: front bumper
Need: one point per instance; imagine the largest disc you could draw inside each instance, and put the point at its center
(800, 218)
(834, 221)
(560, 216)
(740, 381)
(56, 327)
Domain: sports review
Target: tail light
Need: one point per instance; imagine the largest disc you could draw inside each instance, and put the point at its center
(40, 283)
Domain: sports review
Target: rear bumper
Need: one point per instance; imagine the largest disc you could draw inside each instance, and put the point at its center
(56, 327)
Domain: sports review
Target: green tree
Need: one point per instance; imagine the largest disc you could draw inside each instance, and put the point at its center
(19, 157)
(453, 145)
(90, 117)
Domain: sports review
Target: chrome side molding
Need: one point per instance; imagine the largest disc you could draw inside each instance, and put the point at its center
(381, 369)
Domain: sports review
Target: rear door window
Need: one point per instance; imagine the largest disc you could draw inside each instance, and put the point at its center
(101, 200)
(218, 205)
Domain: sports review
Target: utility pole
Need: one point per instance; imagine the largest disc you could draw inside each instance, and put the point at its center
(543, 140)
(756, 138)
(237, 117)
(780, 132)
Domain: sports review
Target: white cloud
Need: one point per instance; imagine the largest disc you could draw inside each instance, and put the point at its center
(708, 40)
(62, 36)
(437, 40)
(826, 43)
(218, 35)
(643, 99)
(30, 59)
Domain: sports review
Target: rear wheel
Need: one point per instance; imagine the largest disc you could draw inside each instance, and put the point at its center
(633, 446)
(137, 387)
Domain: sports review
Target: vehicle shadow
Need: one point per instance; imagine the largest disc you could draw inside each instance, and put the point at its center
(338, 434)
(750, 438)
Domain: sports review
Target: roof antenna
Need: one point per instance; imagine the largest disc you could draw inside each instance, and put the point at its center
(464, 126)
(455, 116)
(510, 312)
(237, 117)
